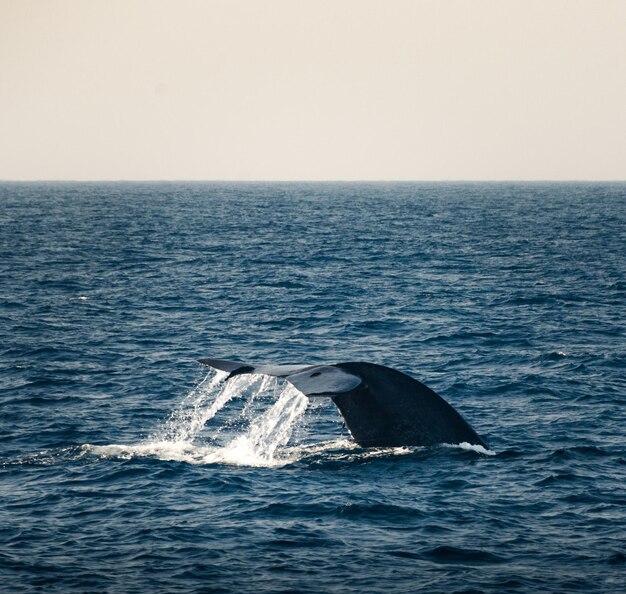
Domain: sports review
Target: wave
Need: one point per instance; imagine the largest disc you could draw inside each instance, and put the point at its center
(469, 447)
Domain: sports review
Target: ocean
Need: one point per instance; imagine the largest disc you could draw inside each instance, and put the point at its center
(125, 466)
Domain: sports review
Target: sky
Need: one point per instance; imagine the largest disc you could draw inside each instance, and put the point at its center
(313, 90)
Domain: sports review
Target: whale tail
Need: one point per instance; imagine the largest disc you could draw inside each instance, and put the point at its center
(382, 407)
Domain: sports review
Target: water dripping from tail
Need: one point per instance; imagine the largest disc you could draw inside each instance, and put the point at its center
(206, 400)
(199, 431)
(264, 442)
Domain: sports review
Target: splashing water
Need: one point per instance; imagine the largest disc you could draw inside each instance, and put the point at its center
(206, 400)
(469, 447)
(272, 430)
(263, 442)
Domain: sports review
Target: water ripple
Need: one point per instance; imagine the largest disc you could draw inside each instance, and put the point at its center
(125, 468)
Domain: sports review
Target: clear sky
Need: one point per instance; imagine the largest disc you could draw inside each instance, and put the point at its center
(313, 90)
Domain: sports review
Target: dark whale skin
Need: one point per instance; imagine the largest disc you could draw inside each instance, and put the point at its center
(382, 407)
(391, 409)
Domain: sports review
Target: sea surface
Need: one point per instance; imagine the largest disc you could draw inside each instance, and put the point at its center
(125, 466)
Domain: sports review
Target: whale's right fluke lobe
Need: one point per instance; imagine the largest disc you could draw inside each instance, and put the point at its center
(381, 406)
(393, 409)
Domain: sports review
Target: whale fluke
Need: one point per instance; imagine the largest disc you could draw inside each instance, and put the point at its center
(382, 407)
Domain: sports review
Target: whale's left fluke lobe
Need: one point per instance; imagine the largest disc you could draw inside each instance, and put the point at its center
(223, 365)
(381, 406)
(234, 368)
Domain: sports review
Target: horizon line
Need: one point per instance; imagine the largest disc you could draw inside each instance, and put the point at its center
(312, 181)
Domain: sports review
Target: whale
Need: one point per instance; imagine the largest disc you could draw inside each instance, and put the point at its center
(381, 406)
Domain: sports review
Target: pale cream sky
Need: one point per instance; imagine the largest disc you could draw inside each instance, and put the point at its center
(313, 90)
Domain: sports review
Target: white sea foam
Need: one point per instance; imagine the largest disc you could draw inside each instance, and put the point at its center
(471, 447)
(245, 450)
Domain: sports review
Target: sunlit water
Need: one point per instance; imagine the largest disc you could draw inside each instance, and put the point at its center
(125, 467)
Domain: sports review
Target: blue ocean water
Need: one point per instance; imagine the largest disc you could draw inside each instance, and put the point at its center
(124, 467)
